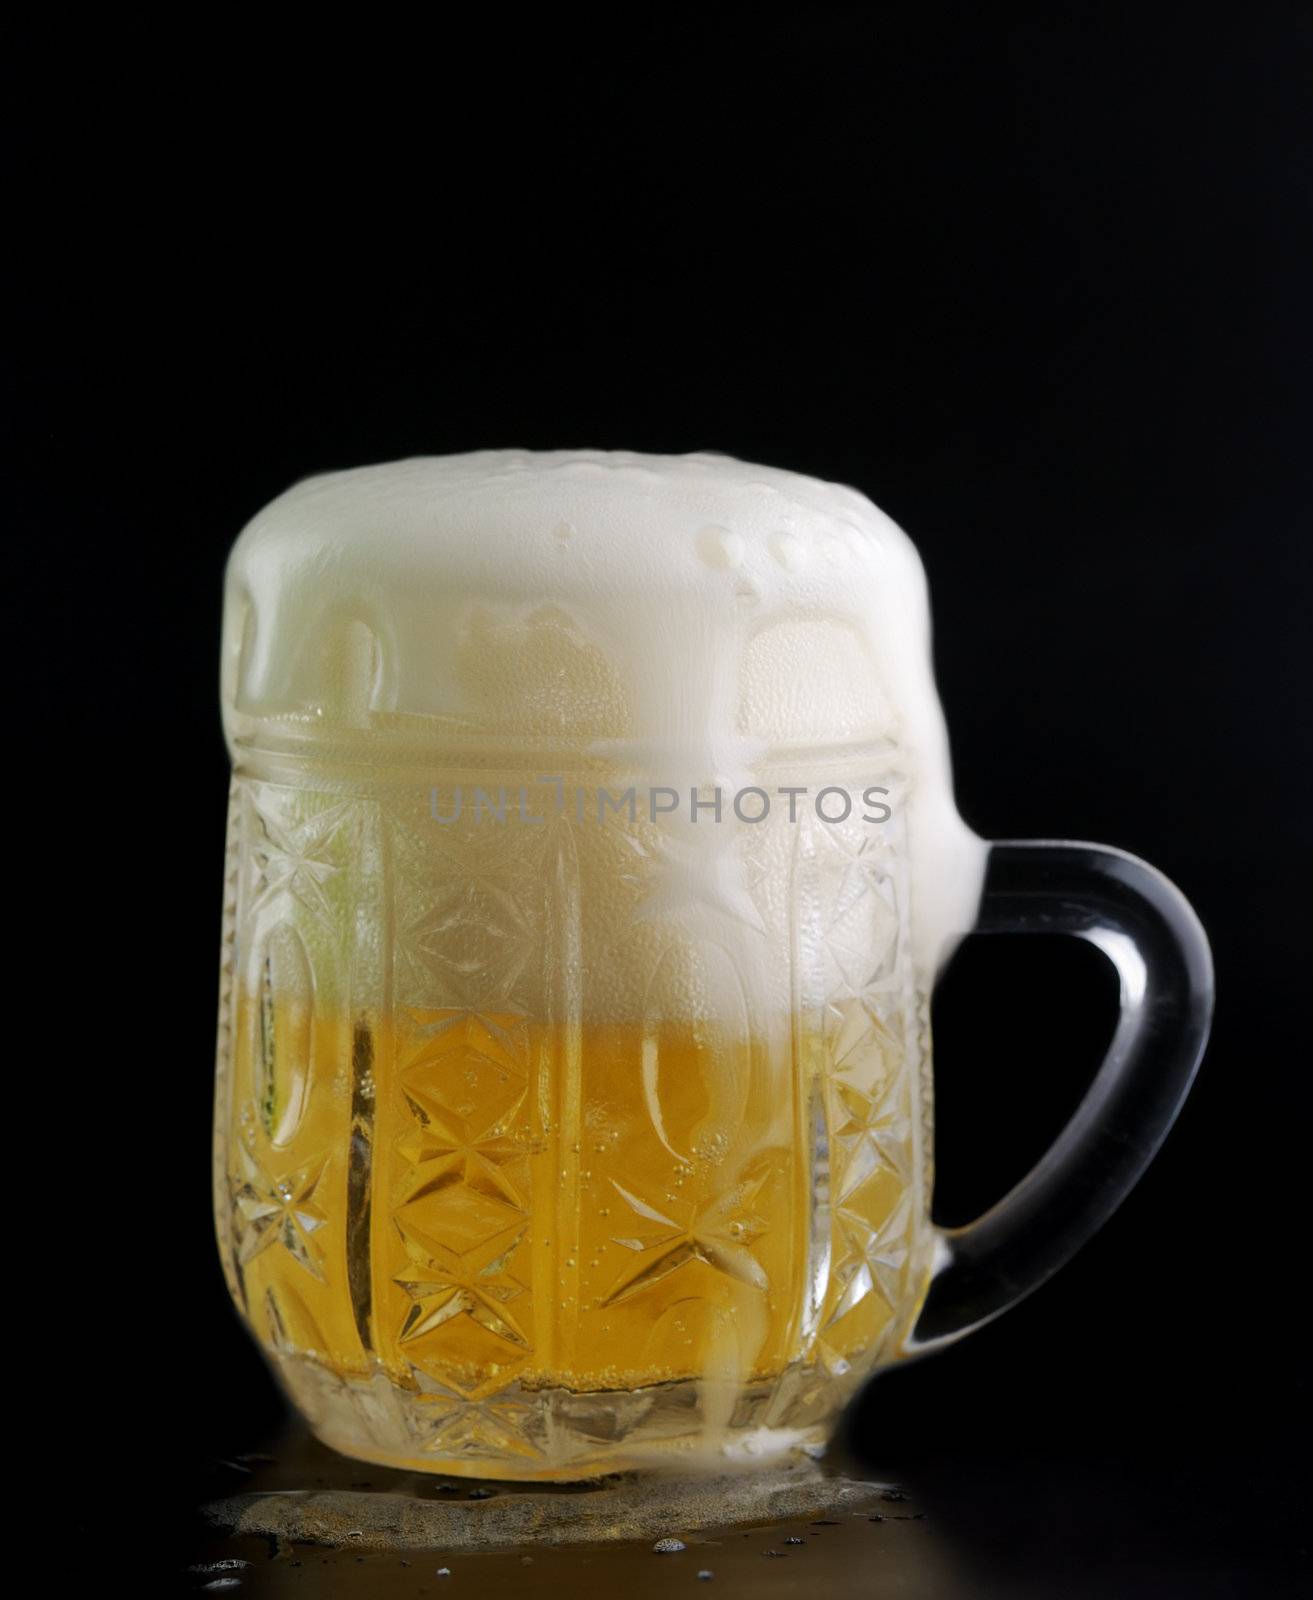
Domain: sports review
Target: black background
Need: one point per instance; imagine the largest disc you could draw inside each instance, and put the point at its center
(1037, 283)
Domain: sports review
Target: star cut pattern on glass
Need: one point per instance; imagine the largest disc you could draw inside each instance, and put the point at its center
(297, 857)
(717, 1230)
(870, 1262)
(476, 1283)
(281, 1211)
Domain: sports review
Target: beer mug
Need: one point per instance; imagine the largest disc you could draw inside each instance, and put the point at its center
(592, 855)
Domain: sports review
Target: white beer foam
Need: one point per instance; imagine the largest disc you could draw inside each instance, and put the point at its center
(687, 615)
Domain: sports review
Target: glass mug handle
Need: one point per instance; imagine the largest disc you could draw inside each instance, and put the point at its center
(1154, 939)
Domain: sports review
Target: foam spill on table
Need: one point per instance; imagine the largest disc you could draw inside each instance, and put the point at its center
(628, 1508)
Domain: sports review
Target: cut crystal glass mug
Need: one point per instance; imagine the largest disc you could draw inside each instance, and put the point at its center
(592, 855)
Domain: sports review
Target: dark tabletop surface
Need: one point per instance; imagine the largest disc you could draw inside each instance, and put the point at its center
(1012, 1523)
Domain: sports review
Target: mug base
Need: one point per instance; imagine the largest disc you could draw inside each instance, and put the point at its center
(557, 1436)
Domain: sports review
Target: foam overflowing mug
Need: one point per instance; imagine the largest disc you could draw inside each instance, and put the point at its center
(592, 855)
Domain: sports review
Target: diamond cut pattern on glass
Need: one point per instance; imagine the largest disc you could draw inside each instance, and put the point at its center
(457, 1426)
(476, 941)
(461, 1199)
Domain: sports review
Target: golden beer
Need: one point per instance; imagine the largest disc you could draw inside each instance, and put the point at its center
(481, 1218)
